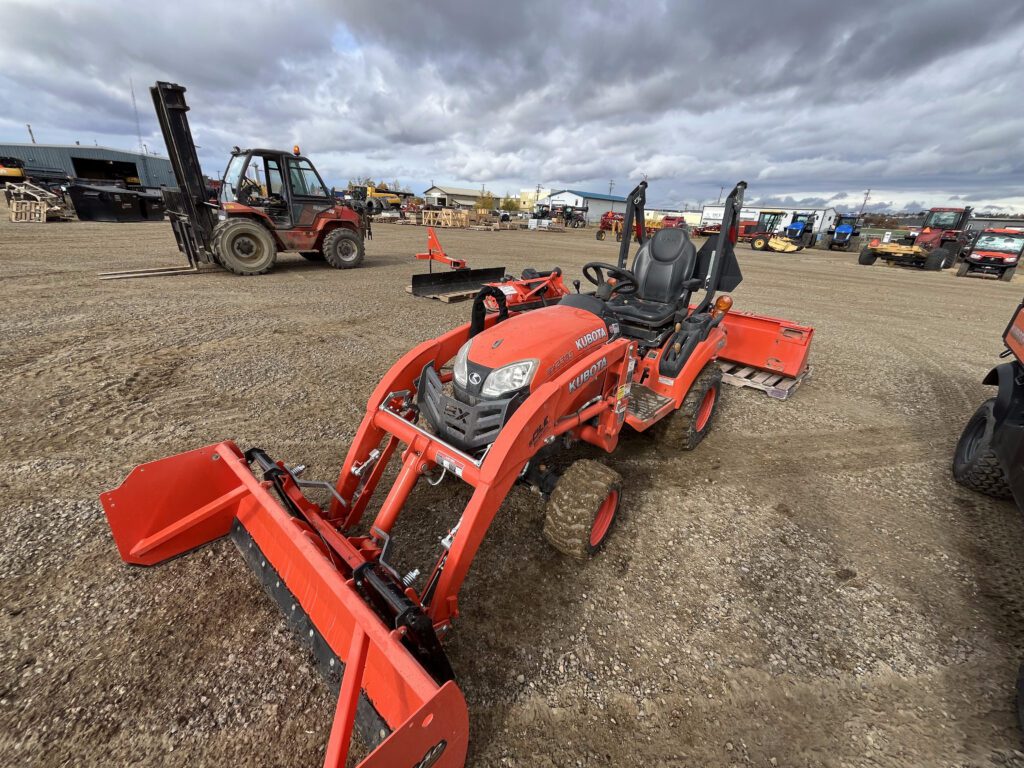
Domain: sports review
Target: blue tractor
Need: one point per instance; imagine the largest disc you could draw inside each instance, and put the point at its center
(842, 233)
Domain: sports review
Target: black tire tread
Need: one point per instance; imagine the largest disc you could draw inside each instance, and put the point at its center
(329, 245)
(221, 231)
(867, 257)
(570, 511)
(679, 429)
(984, 474)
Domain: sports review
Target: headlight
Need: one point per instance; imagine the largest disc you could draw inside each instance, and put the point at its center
(459, 368)
(509, 378)
(1011, 259)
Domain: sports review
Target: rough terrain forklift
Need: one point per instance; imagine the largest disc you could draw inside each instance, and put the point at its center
(269, 201)
(936, 246)
(487, 404)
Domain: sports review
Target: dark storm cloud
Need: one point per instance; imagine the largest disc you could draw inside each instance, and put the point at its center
(916, 100)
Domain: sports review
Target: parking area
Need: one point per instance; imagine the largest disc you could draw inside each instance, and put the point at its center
(809, 587)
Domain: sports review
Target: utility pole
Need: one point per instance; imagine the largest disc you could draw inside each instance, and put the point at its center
(867, 196)
(611, 185)
(30, 134)
(720, 191)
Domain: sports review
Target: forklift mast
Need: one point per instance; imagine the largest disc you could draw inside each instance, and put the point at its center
(192, 217)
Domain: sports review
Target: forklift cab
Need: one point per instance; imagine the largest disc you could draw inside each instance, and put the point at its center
(284, 186)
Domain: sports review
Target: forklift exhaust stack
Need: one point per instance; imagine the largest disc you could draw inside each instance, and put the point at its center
(168, 507)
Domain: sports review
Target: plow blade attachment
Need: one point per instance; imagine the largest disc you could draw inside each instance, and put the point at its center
(167, 507)
(767, 343)
(440, 283)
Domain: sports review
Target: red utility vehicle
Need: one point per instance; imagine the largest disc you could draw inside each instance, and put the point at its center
(995, 252)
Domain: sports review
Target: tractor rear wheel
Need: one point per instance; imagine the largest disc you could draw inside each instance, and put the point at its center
(759, 243)
(867, 257)
(936, 259)
(311, 255)
(343, 249)
(600, 234)
(1007, 275)
(244, 246)
(975, 465)
(685, 428)
(580, 513)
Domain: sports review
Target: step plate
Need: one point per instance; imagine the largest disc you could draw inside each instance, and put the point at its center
(645, 403)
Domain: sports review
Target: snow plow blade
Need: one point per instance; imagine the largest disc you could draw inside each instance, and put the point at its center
(439, 283)
(403, 712)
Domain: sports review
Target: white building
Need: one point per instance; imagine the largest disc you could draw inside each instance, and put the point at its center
(453, 197)
(823, 217)
(596, 203)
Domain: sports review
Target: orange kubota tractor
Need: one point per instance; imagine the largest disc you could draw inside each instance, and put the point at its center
(269, 201)
(486, 404)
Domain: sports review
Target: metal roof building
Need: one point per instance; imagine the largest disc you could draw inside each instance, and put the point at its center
(596, 203)
(103, 163)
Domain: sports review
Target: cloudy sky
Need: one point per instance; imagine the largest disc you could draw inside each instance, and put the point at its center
(922, 101)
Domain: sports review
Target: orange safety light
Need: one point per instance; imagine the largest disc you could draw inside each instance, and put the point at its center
(295, 150)
(875, 242)
(722, 305)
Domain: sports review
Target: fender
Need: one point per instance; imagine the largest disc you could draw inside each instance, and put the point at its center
(1011, 391)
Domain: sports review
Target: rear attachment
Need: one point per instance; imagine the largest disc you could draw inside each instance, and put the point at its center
(399, 696)
(765, 353)
(457, 283)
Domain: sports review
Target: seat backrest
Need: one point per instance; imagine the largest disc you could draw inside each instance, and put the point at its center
(663, 264)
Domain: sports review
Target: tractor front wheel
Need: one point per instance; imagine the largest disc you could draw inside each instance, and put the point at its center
(600, 234)
(343, 249)
(685, 428)
(936, 259)
(244, 246)
(975, 464)
(581, 511)
(867, 257)
(759, 243)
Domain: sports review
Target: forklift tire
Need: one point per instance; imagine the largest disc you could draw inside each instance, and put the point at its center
(343, 249)
(600, 234)
(936, 259)
(867, 257)
(975, 465)
(581, 510)
(963, 269)
(1007, 275)
(685, 428)
(311, 255)
(759, 243)
(244, 246)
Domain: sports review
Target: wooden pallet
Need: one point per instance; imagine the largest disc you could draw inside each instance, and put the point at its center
(450, 298)
(28, 211)
(772, 384)
(445, 218)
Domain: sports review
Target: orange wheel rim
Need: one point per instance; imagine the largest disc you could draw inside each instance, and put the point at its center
(706, 406)
(604, 517)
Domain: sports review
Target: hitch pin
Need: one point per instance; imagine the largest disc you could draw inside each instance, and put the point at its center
(359, 469)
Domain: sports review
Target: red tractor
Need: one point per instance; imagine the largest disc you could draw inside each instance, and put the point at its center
(268, 201)
(493, 403)
(943, 235)
(995, 252)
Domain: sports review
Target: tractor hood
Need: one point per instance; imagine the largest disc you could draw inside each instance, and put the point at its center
(551, 338)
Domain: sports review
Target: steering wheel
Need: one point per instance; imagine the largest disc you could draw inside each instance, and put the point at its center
(625, 281)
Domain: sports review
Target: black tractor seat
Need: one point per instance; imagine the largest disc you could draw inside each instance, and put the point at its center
(663, 269)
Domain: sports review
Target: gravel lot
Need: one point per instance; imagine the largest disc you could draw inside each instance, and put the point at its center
(809, 588)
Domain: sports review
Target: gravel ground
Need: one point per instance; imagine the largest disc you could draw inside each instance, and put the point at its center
(808, 588)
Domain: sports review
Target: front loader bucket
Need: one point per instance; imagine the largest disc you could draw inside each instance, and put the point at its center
(439, 283)
(167, 507)
(783, 245)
